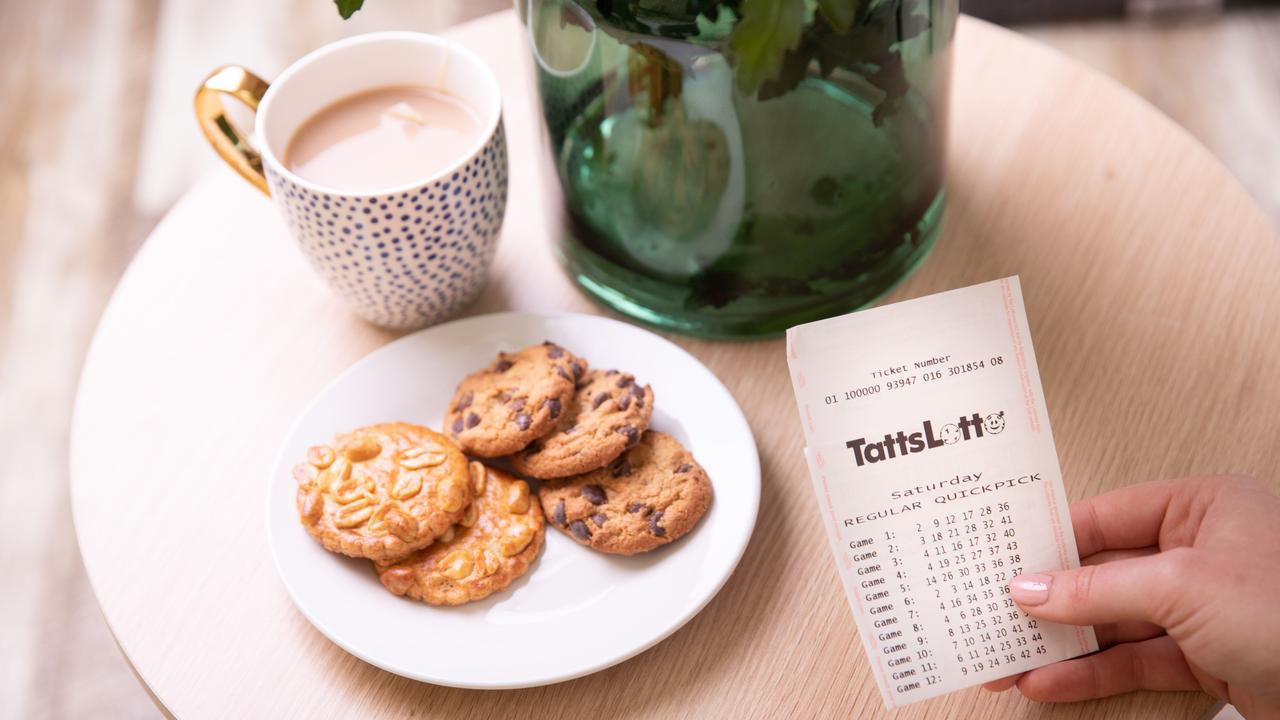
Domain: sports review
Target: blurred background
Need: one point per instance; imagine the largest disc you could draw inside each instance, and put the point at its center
(97, 141)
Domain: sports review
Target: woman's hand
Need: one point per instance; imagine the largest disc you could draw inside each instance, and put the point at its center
(1181, 580)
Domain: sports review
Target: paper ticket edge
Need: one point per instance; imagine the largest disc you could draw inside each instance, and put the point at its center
(1069, 553)
(1029, 370)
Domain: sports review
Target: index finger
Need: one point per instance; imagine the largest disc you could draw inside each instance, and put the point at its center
(1122, 519)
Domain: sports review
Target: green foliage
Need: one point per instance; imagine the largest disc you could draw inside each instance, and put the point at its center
(347, 8)
(759, 43)
(711, 29)
(868, 47)
(838, 13)
(774, 43)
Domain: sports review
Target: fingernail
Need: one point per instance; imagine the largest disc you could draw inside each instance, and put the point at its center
(1030, 589)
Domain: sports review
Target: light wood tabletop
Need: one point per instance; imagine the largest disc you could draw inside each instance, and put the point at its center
(1150, 283)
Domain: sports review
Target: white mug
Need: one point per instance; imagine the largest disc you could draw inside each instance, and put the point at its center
(404, 257)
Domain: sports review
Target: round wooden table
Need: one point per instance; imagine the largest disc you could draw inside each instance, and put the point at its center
(1153, 286)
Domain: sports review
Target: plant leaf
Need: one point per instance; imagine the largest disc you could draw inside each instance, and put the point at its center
(710, 30)
(892, 79)
(795, 64)
(794, 69)
(620, 12)
(838, 13)
(767, 30)
(347, 8)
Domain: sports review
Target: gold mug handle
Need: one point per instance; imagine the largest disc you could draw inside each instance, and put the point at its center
(222, 134)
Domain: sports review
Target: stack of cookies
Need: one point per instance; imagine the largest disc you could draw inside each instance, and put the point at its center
(446, 530)
(607, 480)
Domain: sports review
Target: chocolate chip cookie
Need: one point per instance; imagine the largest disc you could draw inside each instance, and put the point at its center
(501, 409)
(382, 491)
(495, 542)
(651, 495)
(608, 414)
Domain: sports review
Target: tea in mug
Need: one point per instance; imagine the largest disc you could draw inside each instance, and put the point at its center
(383, 138)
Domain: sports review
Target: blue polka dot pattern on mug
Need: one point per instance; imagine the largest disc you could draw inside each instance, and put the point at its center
(407, 259)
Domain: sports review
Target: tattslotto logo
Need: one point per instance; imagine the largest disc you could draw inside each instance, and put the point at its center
(900, 443)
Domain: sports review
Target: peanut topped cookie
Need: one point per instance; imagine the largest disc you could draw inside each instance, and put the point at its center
(382, 491)
(504, 407)
(607, 415)
(495, 542)
(651, 495)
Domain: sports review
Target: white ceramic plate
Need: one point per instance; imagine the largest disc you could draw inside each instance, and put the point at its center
(550, 624)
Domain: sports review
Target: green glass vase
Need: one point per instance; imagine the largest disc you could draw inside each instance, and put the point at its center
(730, 169)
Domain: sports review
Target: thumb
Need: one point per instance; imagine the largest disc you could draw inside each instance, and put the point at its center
(1144, 589)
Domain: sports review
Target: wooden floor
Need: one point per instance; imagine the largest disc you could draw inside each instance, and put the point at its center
(98, 142)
